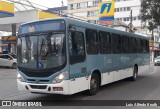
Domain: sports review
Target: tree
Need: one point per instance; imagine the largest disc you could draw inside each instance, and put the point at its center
(150, 13)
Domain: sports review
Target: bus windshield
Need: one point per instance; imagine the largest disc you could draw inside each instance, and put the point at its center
(43, 50)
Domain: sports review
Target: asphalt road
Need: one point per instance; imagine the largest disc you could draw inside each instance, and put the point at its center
(147, 87)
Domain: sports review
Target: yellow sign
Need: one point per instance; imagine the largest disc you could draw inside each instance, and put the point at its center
(106, 10)
(44, 15)
(6, 9)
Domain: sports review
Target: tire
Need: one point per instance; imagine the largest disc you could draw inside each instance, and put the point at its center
(135, 74)
(14, 65)
(94, 85)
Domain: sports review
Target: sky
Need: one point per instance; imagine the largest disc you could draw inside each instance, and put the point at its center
(50, 3)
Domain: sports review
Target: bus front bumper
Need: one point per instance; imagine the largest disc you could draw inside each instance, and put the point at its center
(59, 88)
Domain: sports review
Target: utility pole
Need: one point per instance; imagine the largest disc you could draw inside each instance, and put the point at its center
(130, 26)
(152, 39)
(62, 3)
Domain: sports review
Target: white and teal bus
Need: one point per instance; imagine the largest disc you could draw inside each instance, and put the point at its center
(66, 56)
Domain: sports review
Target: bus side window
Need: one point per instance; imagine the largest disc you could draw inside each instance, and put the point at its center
(116, 44)
(76, 47)
(147, 45)
(92, 41)
(133, 45)
(139, 46)
(144, 46)
(125, 44)
(105, 42)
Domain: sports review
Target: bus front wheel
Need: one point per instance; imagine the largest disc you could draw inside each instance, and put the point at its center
(94, 85)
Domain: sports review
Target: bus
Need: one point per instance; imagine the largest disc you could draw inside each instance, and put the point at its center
(66, 56)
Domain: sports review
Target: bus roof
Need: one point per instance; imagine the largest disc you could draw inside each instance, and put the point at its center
(84, 24)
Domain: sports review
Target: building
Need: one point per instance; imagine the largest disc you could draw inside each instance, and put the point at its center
(84, 9)
(123, 11)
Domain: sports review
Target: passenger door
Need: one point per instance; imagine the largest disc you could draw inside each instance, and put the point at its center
(77, 61)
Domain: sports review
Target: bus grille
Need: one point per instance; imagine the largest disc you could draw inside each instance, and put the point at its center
(41, 81)
(37, 72)
(38, 86)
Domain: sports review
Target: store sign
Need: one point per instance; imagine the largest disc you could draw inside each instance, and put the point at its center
(106, 12)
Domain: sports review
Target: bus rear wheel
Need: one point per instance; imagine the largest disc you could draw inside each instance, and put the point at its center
(94, 85)
(135, 74)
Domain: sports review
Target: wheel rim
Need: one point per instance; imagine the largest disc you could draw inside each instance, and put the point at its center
(14, 66)
(135, 74)
(94, 85)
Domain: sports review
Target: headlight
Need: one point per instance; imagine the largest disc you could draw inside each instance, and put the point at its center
(60, 77)
(19, 77)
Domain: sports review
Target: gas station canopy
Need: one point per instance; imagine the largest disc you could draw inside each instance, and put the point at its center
(15, 12)
(23, 5)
